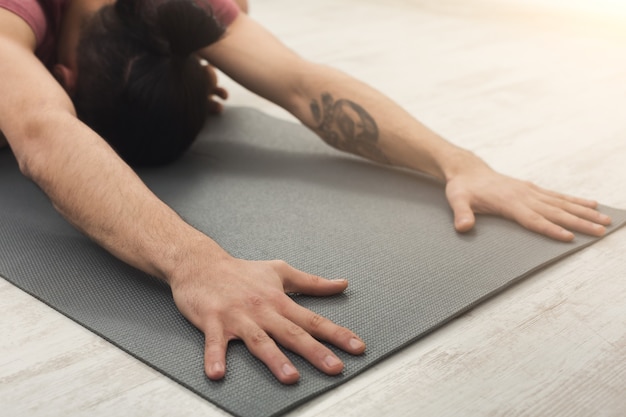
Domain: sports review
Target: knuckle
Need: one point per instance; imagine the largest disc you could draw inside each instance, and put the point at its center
(536, 218)
(459, 194)
(314, 280)
(319, 352)
(282, 303)
(293, 330)
(342, 334)
(255, 301)
(258, 338)
(316, 321)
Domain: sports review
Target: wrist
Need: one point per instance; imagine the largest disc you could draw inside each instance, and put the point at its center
(459, 161)
(196, 254)
(436, 157)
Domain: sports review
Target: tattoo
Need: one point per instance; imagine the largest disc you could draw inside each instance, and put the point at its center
(345, 125)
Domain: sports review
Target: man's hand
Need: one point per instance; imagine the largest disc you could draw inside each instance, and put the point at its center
(247, 300)
(215, 107)
(354, 117)
(479, 189)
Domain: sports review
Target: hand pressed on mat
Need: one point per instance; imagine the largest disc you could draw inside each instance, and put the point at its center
(247, 300)
(82, 173)
(479, 189)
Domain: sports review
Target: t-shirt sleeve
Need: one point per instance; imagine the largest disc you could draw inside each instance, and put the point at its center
(31, 12)
(225, 11)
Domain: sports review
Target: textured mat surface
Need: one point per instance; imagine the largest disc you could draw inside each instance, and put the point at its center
(266, 189)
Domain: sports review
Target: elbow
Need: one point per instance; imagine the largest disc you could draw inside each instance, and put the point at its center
(32, 145)
(28, 158)
(310, 83)
(28, 165)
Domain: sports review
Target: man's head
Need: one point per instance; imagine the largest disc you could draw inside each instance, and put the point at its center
(134, 77)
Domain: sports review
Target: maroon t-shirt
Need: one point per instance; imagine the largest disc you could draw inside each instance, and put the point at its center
(44, 18)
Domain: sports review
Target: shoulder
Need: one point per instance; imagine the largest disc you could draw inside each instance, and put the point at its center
(15, 28)
(20, 16)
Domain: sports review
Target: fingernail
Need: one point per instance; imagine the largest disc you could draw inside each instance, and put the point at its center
(289, 370)
(356, 344)
(331, 361)
(217, 368)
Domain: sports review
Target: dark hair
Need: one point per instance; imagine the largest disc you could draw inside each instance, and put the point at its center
(139, 84)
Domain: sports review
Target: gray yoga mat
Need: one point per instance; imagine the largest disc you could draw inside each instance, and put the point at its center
(265, 189)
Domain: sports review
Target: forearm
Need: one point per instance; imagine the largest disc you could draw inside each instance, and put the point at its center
(100, 195)
(354, 117)
(346, 113)
(84, 178)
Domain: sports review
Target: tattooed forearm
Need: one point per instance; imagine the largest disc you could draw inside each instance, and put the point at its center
(347, 126)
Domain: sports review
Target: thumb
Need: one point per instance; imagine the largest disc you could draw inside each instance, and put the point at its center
(301, 282)
(464, 218)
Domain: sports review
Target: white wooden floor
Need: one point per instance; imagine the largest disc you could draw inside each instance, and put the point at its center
(536, 90)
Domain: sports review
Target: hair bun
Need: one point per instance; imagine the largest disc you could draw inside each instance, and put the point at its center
(186, 26)
(128, 10)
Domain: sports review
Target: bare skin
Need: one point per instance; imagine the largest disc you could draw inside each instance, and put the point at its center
(243, 5)
(225, 297)
(216, 91)
(358, 119)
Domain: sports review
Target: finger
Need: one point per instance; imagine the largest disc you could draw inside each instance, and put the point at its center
(464, 218)
(576, 200)
(583, 212)
(536, 222)
(572, 222)
(221, 93)
(323, 329)
(215, 345)
(264, 348)
(211, 74)
(295, 280)
(297, 340)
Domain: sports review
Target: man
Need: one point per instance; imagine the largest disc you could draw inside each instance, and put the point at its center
(225, 297)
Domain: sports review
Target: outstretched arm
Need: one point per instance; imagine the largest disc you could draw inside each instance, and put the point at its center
(225, 297)
(354, 117)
